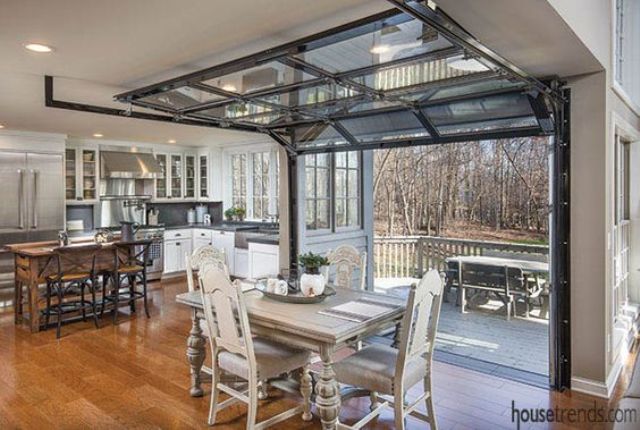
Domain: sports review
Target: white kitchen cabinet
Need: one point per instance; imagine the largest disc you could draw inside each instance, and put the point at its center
(203, 178)
(81, 174)
(202, 237)
(241, 263)
(178, 178)
(177, 244)
(189, 176)
(263, 260)
(226, 240)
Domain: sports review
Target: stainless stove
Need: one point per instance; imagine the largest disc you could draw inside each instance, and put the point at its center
(155, 263)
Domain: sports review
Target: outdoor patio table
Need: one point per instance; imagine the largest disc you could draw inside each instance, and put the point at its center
(526, 265)
(301, 326)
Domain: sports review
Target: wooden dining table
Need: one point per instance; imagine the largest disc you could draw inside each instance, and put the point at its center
(301, 326)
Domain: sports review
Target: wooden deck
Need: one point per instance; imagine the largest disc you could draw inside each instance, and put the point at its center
(135, 375)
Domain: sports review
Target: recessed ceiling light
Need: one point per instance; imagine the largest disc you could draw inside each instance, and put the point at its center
(38, 47)
(380, 49)
(171, 141)
(466, 64)
(230, 88)
(98, 135)
(1, 126)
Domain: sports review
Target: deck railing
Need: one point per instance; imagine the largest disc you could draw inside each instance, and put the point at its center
(410, 256)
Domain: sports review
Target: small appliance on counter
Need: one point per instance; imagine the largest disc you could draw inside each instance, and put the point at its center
(201, 211)
(152, 217)
(191, 216)
(63, 238)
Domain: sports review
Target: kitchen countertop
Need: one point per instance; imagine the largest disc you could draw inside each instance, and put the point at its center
(218, 226)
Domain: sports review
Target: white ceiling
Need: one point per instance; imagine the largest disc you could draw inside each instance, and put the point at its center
(106, 47)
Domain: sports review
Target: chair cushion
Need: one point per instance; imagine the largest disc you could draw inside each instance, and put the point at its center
(374, 367)
(272, 359)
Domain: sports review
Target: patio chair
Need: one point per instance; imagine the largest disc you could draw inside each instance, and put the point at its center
(234, 350)
(346, 259)
(381, 369)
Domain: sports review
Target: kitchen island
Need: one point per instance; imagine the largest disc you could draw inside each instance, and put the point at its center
(33, 263)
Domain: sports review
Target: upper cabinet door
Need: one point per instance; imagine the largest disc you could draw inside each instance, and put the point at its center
(161, 180)
(203, 177)
(189, 176)
(89, 177)
(176, 177)
(71, 174)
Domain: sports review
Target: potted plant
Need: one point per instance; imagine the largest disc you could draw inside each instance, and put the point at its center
(230, 213)
(240, 213)
(312, 282)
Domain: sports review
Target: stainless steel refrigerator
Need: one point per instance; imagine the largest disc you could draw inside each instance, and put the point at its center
(31, 201)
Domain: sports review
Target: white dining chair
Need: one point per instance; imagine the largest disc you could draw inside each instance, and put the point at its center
(205, 254)
(345, 259)
(381, 369)
(234, 350)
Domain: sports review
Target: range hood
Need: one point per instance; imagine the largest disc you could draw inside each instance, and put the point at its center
(129, 165)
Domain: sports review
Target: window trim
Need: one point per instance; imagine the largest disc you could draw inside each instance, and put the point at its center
(616, 85)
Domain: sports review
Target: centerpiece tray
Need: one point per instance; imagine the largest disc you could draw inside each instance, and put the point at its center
(295, 296)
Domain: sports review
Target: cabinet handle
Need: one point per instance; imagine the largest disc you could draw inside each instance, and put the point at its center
(202, 234)
(178, 234)
(177, 243)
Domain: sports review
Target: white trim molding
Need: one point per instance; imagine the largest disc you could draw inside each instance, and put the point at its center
(599, 388)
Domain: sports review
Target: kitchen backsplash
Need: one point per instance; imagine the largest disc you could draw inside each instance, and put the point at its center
(176, 213)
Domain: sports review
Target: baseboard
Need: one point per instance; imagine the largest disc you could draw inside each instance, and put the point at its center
(599, 388)
(589, 386)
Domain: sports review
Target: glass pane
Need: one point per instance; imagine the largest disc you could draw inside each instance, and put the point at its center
(181, 98)
(311, 95)
(353, 212)
(481, 109)
(309, 160)
(353, 159)
(310, 215)
(488, 125)
(353, 183)
(385, 126)
(341, 213)
(242, 111)
(341, 159)
(393, 38)
(318, 135)
(341, 183)
(310, 182)
(322, 217)
(323, 160)
(323, 182)
(413, 74)
(472, 88)
(257, 208)
(257, 185)
(257, 78)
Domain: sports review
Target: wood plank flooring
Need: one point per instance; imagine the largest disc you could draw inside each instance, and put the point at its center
(135, 375)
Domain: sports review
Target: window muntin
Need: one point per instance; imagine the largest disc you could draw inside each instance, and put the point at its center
(333, 191)
(627, 57)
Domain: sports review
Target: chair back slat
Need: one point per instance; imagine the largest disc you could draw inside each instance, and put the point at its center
(205, 254)
(74, 258)
(225, 311)
(420, 322)
(345, 259)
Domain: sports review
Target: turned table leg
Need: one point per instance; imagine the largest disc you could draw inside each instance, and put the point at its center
(327, 392)
(196, 355)
(34, 308)
(17, 302)
(305, 389)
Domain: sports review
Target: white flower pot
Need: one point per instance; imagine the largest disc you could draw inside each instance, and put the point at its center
(312, 285)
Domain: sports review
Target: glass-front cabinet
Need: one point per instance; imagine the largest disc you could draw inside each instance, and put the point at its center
(203, 177)
(176, 168)
(81, 174)
(162, 178)
(189, 176)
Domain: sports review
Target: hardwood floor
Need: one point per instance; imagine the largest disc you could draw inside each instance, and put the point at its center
(135, 375)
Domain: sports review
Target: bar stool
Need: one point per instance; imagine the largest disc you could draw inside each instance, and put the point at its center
(130, 264)
(71, 279)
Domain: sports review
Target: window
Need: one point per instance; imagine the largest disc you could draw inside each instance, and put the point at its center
(239, 180)
(317, 178)
(627, 56)
(621, 228)
(332, 178)
(254, 183)
(260, 161)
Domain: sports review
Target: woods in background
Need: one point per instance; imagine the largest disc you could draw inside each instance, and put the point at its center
(441, 190)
